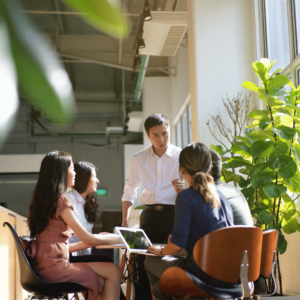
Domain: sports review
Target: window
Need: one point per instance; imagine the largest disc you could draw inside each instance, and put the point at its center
(297, 23)
(190, 122)
(277, 33)
(178, 135)
(183, 125)
(185, 133)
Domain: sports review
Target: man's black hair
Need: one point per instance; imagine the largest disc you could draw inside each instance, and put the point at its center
(155, 119)
(216, 167)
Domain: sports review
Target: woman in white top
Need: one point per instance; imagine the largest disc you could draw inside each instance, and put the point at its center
(85, 207)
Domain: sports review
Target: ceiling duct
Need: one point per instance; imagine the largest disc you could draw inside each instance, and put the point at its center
(164, 33)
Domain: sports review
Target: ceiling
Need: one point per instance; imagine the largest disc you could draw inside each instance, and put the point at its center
(99, 66)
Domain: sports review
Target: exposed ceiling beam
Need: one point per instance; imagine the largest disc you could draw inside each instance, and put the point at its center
(49, 12)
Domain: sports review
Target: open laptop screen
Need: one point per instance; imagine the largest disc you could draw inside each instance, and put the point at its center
(135, 239)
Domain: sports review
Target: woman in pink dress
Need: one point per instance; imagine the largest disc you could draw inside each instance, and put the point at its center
(52, 221)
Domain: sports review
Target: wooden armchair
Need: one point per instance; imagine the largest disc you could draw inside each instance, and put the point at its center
(222, 257)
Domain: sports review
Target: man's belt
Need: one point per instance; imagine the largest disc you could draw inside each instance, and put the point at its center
(159, 207)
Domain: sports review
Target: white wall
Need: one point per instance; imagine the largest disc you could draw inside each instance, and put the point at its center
(156, 99)
(221, 54)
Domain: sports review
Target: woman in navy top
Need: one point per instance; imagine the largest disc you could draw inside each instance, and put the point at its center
(200, 209)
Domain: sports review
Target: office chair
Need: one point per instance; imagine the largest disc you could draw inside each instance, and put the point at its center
(33, 284)
(228, 258)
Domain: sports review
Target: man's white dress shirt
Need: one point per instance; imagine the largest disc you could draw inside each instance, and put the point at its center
(154, 174)
(78, 205)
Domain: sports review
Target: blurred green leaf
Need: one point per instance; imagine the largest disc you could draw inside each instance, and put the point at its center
(9, 101)
(281, 244)
(288, 205)
(237, 162)
(248, 192)
(277, 81)
(264, 122)
(40, 74)
(257, 113)
(260, 179)
(293, 183)
(284, 132)
(258, 168)
(289, 225)
(279, 162)
(261, 135)
(281, 147)
(265, 217)
(261, 149)
(218, 149)
(260, 70)
(101, 15)
(241, 148)
(296, 152)
(244, 139)
(274, 191)
(252, 86)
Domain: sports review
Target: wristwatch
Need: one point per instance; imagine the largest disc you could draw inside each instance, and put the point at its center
(160, 251)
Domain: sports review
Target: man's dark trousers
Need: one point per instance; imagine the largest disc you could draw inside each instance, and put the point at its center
(157, 224)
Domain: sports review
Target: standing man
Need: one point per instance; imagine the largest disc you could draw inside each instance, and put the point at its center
(156, 168)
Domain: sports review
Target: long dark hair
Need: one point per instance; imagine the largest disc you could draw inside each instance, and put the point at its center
(52, 183)
(196, 160)
(83, 171)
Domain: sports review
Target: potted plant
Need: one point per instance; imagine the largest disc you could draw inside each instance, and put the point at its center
(269, 156)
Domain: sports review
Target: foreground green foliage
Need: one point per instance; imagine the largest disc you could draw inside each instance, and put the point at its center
(28, 63)
(269, 155)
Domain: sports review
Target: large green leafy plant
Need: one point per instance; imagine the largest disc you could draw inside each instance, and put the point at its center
(269, 155)
(28, 63)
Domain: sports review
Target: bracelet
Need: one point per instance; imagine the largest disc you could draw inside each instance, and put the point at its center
(160, 251)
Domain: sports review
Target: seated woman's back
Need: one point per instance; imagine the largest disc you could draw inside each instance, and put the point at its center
(195, 218)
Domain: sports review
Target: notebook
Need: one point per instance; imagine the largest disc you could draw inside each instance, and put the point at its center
(135, 240)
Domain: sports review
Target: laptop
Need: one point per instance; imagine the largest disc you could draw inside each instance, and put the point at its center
(135, 240)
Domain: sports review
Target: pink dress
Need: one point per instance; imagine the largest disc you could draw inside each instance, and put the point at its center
(49, 255)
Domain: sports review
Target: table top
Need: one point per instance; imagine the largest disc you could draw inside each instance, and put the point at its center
(112, 246)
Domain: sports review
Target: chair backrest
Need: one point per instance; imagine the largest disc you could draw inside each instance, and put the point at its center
(219, 253)
(269, 246)
(29, 280)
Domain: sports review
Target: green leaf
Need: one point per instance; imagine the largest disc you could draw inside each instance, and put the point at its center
(274, 102)
(218, 149)
(279, 162)
(257, 113)
(269, 65)
(260, 179)
(289, 206)
(283, 111)
(41, 76)
(244, 139)
(248, 192)
(263, 194)
(228, 176)
(281, 147)
(258, 168)
(284, 132)
(281, 244)
(293, 183)
(261, 135)
(277, 81)
(9, 101)
(265, 97)
(237, 162)
(241, 148)
(289, 225)
(252, 87)
(289, 170)
(260, 70)
(243, 183)
(264, 122)
(101, 15)
(265, 217)
(261, 149)
(296, 152)
(274, 191)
